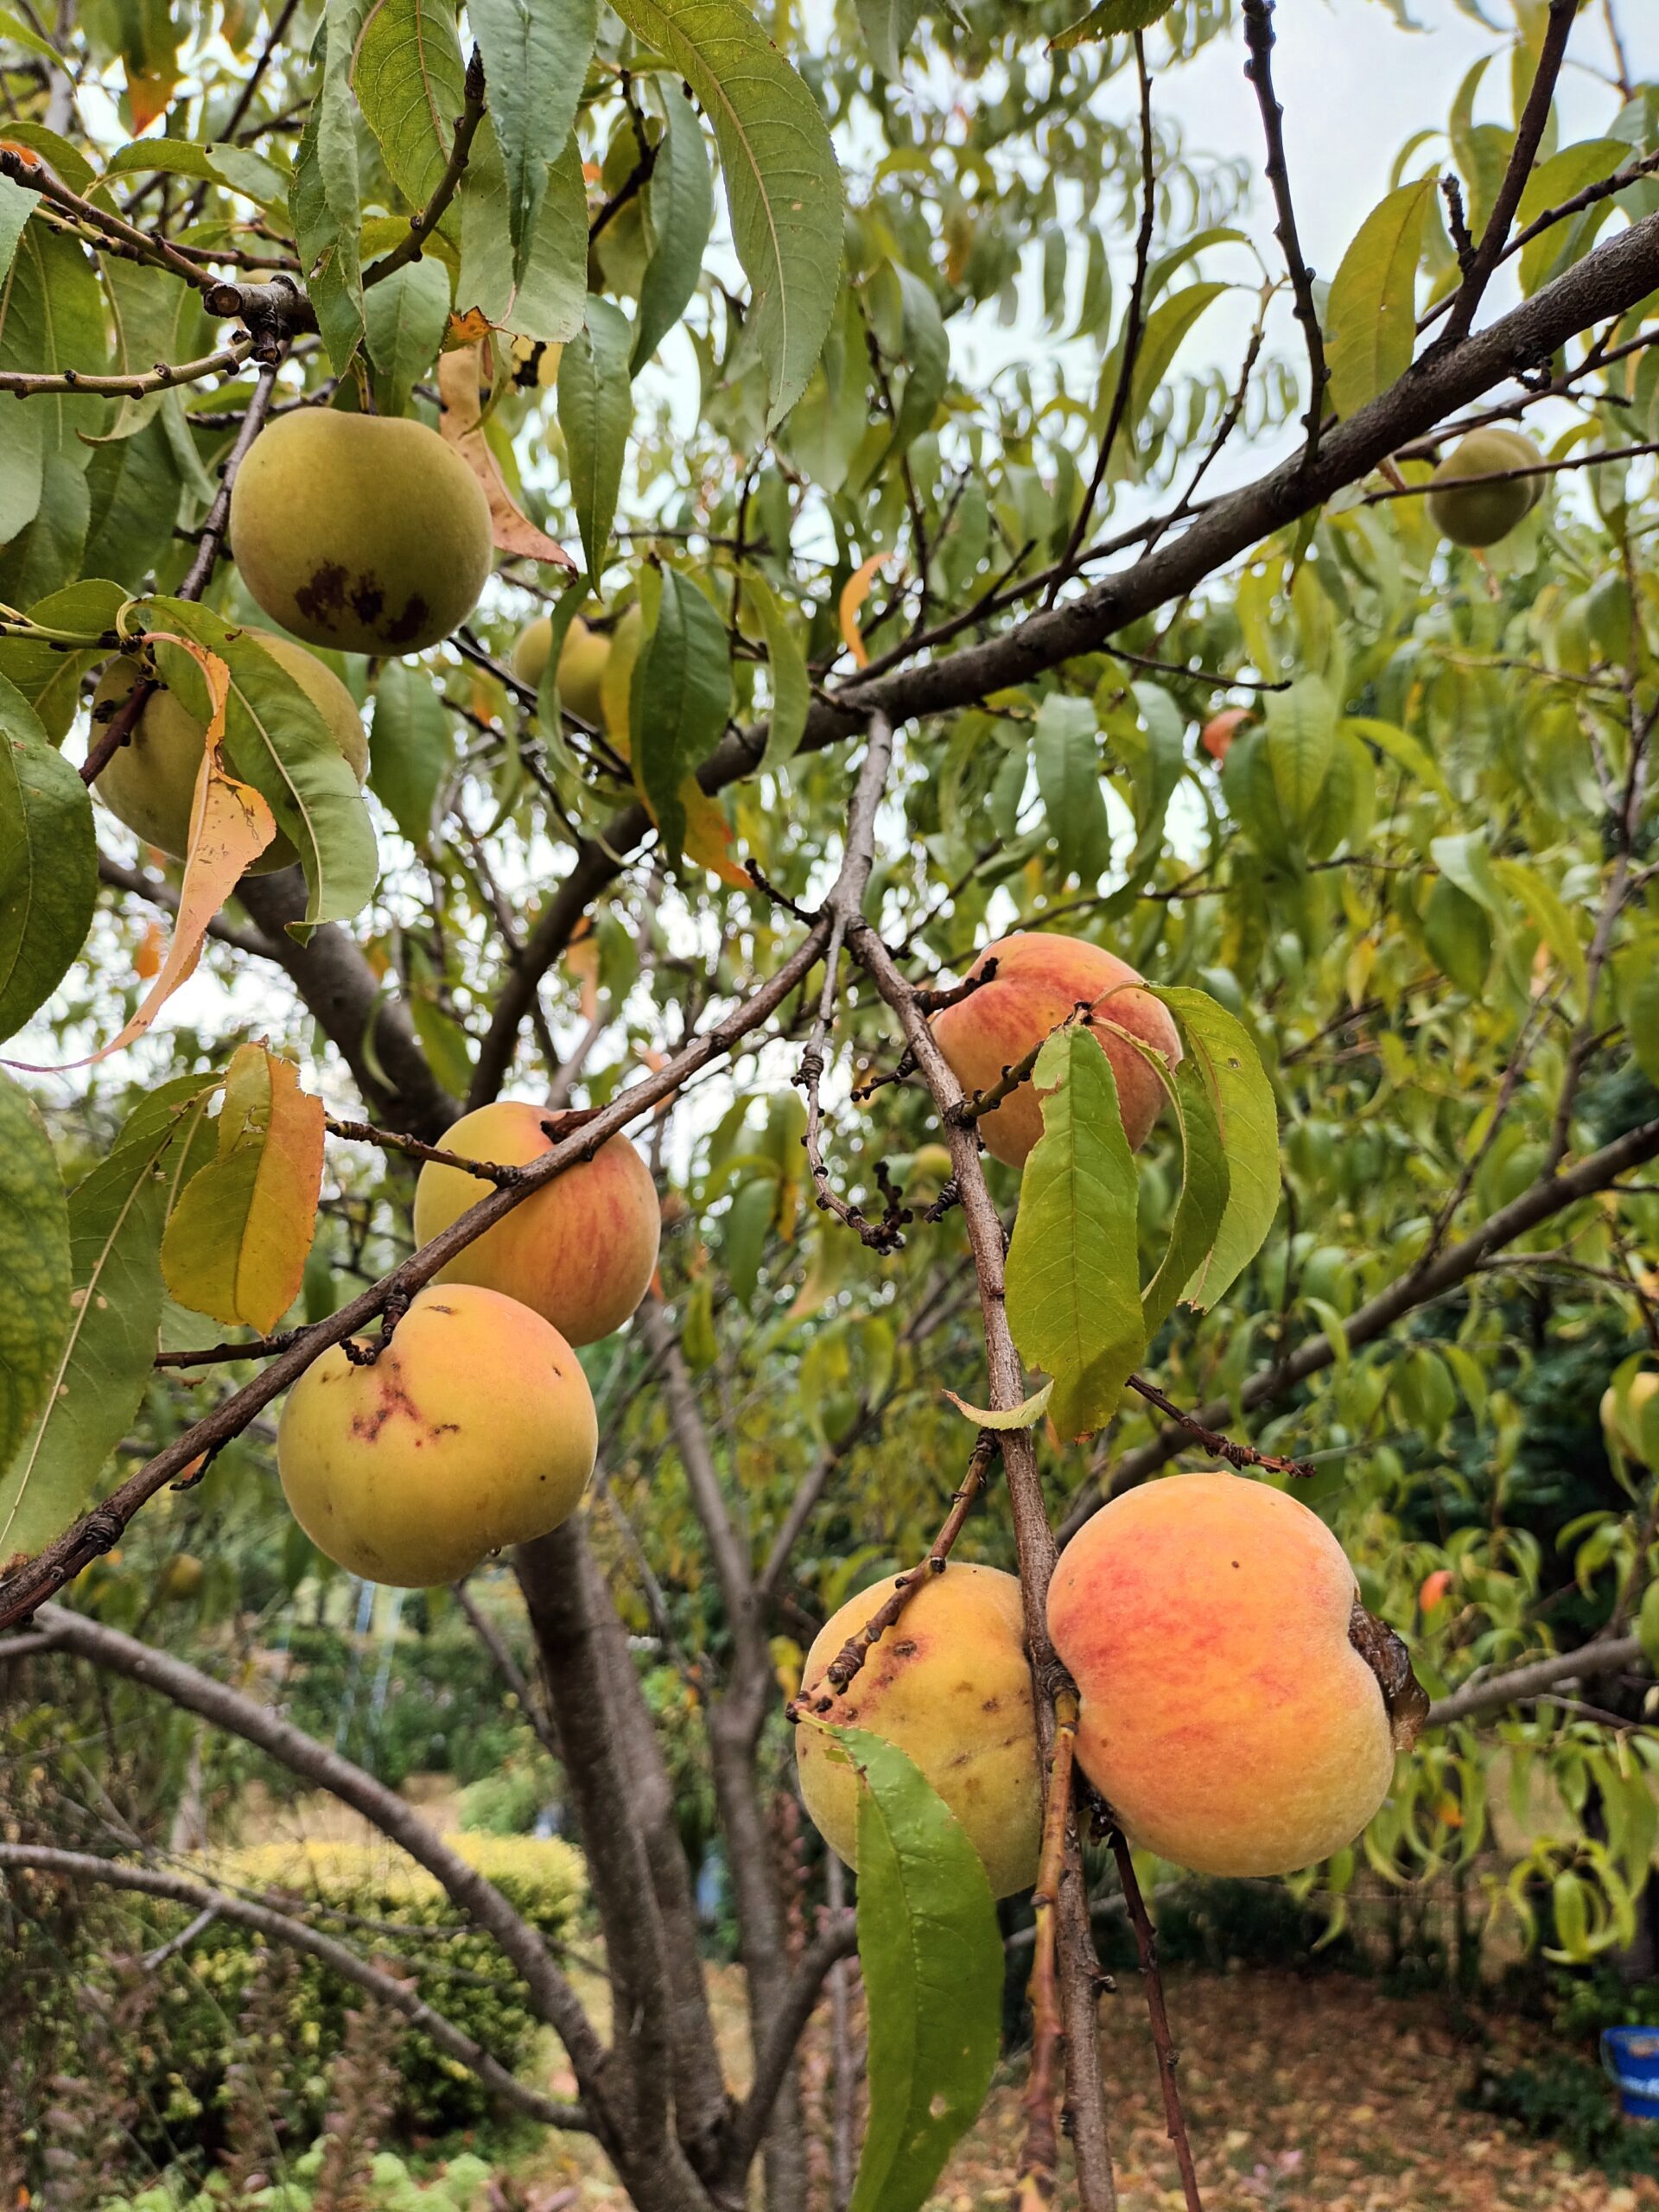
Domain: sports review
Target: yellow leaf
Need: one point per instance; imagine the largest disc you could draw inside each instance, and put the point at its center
(460, 374)
(235, 1245)
(582, 965)
(230, 827)
(854, 592)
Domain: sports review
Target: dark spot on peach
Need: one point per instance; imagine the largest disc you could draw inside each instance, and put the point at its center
(394, 1399)
(321, 600)
(904, 1650)
(991, 1705)
(409, 623)
(367, 600)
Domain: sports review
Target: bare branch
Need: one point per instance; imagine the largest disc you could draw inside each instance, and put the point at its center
(162, 377)
(837, 1940)
(1258, 36)
(1146, 1947)
(398, 1996)
(1519, 1685)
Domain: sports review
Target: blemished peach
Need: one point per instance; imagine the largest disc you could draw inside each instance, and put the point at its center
(1039, 978)
(474, 1429)
(1226, 1716)
(581, 1251)
(948, 1684)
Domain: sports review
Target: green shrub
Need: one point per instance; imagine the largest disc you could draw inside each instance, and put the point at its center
(1570, 2100)
(509, 1802)
(392, 2188)
(201, 1994)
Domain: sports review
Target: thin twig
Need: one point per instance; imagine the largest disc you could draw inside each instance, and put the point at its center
(1035, 2186)
(1236, 1455)
(1258, 37)
(487, 1170)
(1534, 119)
(425, 221)
(1132, 330)
(1146, 1944)
(1512, 475)
(162, 377)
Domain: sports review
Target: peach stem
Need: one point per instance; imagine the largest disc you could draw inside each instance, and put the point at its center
(1145, 1943)
(1035, 2189)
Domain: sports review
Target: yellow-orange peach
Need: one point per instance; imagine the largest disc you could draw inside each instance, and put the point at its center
(581, 1251)
(949, 1685)
(1039, 978)
(1227, 1717)
(472, 1430)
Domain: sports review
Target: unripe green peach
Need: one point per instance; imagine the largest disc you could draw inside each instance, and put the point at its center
(365, 532)
(949, 1684)
(1040, 976)
(181, 1577)
(581, 1250)
(1240, 1710)
(150, 781)
(472, 1430)
(582, 660)
(1480, 514)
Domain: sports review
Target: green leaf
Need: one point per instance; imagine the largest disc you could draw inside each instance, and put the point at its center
(1458, 935)
(595, 411)
(1065, 752)
(49, 675)
(1026, 1415)
(1371, 315)
(1206, 1185)
(1073, 1285)
(133, 501)
(411, 748)
(681, 696)
(536, 61)
(744, 1240)
(925, 350)
(1549, 913)
(236, 168)
(49, 862)
(1647, 1625)
(51, 319)
(550, 302)
(1165, 328)
(405, 316)
(931, 1956)
(783, 186)
(1466, 862)
(34, 1264)
(324, 202)
(1551, 183)
(102, 1365)
(886, 25)
(1401, 749)
(277, 741)
(792, 685)
(680, 207)
(1112, 19)
(1248, 1119)
(1642, 1019)
(411, 82)
(1301, 735)
(17, 32)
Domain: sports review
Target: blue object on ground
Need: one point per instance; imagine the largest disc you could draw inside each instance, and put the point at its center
(1631, 2058)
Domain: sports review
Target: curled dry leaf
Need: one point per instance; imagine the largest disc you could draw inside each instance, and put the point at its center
(854, 592)
(460, 378)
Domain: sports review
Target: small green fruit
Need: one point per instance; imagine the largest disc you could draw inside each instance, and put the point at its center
(151, 780)
(1481, 514)
(363, 532)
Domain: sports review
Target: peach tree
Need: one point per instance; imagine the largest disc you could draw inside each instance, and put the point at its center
(789, 693)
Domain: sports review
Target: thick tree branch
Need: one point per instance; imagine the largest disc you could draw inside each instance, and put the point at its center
(1518, 1684)
(1602, 286)
(837, 1940)
(398, 1996)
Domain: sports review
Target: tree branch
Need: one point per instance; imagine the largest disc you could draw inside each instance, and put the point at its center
(398, 1996)
(1258, 36)
(837, 1940)
(1519, 1684)
(1552, 1195)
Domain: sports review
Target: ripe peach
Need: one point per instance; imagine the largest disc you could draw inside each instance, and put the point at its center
(584, 658)
(949, 1684)
(1218, 735)
(1039, 978)
(581, 1251)
(474, 1429)
(1228, 1717)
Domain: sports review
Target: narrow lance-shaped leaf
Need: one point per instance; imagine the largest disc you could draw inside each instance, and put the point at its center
(1073, 1280)
(681, 696)
(236, 1245)
(1111, 19)
(680, 204)
(49, 862)
(102, 1362)
(596, 411)
(783, 185)
(1219, 1047)
(1205, 1182)
(411, 747)
(932, 1957)
(1302, 735)
(536, 61)
(1065, 752)
(411, 82)
(324, 202)
(34, 1264)
(1371, 314)
(792, 685)
(406, 316)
